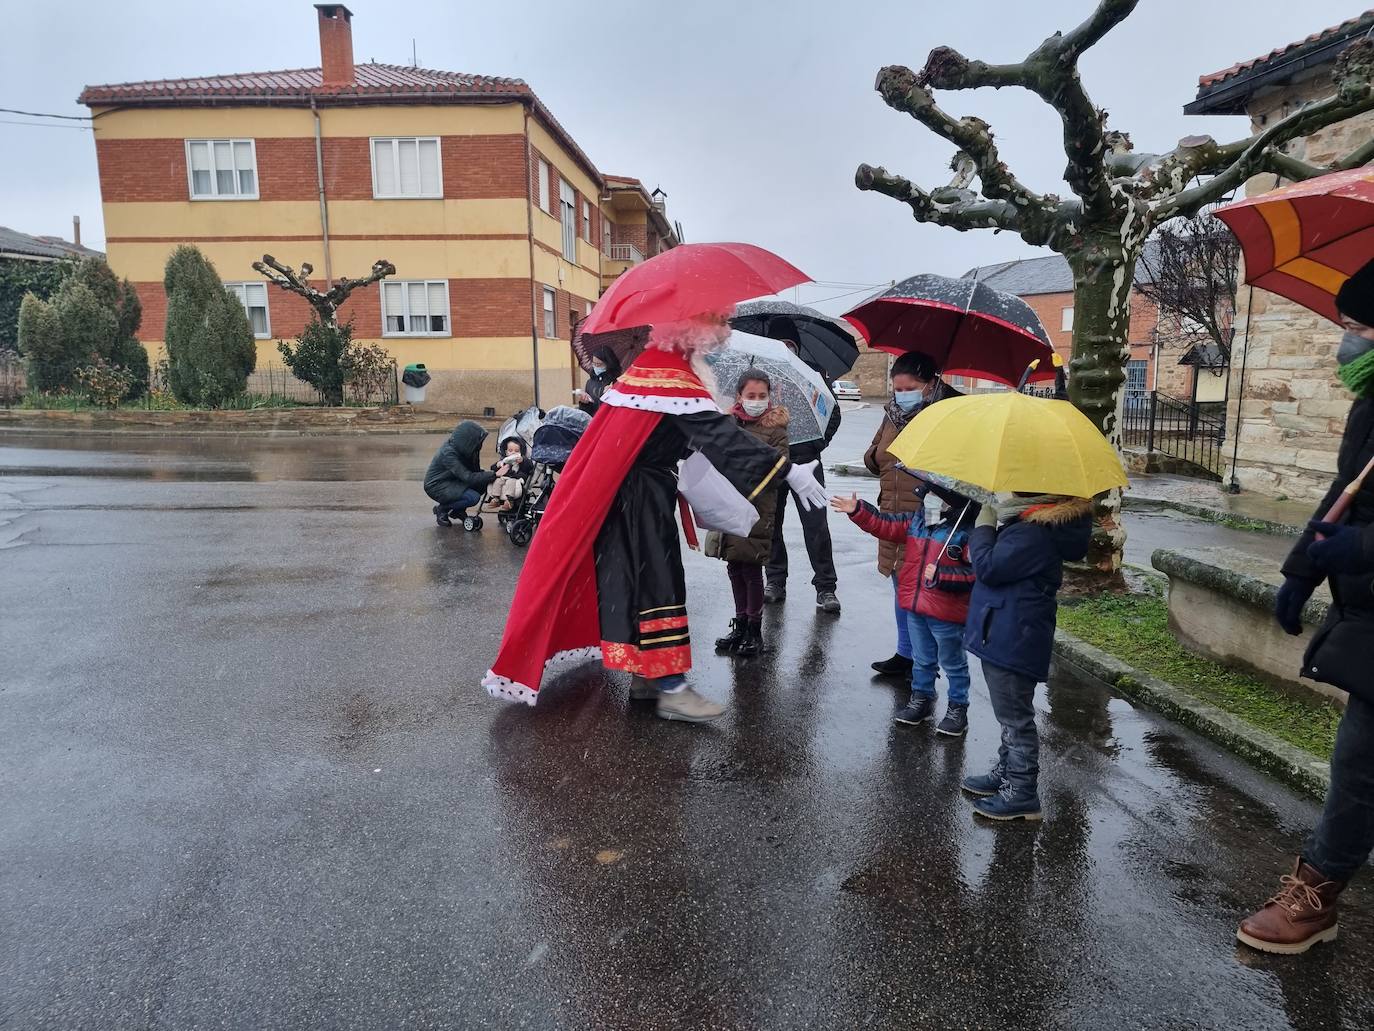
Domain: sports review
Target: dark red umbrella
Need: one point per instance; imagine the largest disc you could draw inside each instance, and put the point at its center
(690, 280)
(967, 327)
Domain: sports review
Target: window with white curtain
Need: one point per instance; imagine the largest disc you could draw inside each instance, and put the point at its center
(1066, 319)
(586, 221)
(406, 166)
(606, 235)
(550, 319)
(544, 186)
(568, 204)
(222, 169)
(415, 308)
(253, 297)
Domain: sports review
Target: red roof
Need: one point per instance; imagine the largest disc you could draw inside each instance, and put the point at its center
(377, 84)
(1214, 77)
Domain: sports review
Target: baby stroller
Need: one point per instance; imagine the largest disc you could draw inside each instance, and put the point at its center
(554, 441)
(521, 426)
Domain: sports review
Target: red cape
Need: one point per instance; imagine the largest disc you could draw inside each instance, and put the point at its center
(554, 613)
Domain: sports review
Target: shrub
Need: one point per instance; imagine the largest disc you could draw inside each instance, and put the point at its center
(369, 370)
(104, 384)
(319, 356)
(210, 348)
(21, 278)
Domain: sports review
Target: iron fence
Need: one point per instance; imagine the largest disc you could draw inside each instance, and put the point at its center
(1185, 430)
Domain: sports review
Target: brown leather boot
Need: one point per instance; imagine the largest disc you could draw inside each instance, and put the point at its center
(1302, 914)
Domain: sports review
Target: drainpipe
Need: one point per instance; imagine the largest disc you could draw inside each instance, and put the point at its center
(324, 209)
(1234, 486)
(529, 230)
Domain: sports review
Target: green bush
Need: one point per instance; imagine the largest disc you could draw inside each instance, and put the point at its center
(104, 384)
(210, 348)
(320, 356)
(92, 315)
(17, 280)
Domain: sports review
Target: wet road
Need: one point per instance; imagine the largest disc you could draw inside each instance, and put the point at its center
(248, 780)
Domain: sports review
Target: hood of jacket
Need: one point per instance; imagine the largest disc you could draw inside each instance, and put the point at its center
(612, 363)
(1069, 521)
(501, 448)
(466, 440)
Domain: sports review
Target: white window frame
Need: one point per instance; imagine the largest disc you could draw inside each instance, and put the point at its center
(396, 166)
(240, 291)
(214, 193)
(586, 220)
(1066, 319)
(567, 212)
(550, 313)
(544, 187)
(406, 313)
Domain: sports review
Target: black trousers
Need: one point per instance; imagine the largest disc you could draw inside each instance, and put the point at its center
(815, 531)
(1341, 843)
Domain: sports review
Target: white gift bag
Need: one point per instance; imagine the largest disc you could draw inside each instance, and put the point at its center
(715, 502)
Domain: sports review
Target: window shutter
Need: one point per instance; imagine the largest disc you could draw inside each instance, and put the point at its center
(543, 199)
(429, 169)
(383, 164)
(409, 167)
(224, 168)
(438, 307)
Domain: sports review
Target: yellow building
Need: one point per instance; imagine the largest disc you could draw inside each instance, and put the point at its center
(503, 232)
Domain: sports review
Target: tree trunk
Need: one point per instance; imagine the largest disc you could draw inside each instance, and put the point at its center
(1103, 271)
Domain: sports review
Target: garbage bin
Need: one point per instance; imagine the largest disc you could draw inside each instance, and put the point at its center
(414, 378)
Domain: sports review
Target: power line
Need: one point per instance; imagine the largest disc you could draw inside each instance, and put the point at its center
(40, 114)
(42, 125)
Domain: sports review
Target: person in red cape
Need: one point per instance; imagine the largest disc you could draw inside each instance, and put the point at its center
(604, 572)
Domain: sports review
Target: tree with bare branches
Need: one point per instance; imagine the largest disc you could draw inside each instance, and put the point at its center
(1118, 196)
(1192, 271)
(325, 302)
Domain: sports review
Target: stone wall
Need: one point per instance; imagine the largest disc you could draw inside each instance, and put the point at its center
(1293, 408)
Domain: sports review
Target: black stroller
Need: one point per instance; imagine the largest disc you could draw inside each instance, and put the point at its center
(554, 441)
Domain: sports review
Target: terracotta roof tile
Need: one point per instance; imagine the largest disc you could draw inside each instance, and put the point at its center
(1213, 78)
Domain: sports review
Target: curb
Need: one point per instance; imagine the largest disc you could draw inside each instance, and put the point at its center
(1133, 503)
(1284, 761)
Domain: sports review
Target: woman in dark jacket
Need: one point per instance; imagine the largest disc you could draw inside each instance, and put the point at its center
(745, 557)
(455, 478)
(1303, 911)
(605, 371)
(1019, 548)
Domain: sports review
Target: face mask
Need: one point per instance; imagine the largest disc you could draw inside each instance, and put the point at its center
(1353, 345)
(909, 400)
(754, 409)
(598, 370)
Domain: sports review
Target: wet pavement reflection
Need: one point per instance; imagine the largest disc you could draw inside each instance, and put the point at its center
(250, 781)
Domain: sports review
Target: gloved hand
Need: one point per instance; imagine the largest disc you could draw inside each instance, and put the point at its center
(802, 480)
(987, 516)
(1341, 552)
(1288, 605)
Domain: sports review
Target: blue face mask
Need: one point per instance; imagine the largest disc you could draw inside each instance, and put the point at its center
(909, 400)
(598, 370)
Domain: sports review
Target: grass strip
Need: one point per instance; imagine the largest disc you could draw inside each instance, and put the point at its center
(1135, 628)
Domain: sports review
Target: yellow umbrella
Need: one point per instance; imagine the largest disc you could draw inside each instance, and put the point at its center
(1008, 441)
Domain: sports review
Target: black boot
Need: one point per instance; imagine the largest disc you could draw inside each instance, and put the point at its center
(739, 633)
(897, 666)
(441, 516)
(753, 638)
(955, 723)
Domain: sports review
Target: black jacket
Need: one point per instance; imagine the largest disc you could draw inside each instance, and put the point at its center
(1018, 571)
(524, 469)
(459, 460)
(810, 450)
(598, 385)
(1342, 652)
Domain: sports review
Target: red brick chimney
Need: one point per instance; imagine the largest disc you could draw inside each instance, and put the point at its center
(336, 45)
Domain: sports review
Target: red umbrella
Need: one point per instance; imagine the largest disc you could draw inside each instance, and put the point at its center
(1305, 240)
(967, 327)
(690, 280)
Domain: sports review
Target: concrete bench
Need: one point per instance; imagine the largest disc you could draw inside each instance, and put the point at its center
(1221, 605)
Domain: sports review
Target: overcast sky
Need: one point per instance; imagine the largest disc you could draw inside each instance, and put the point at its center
(751, 120)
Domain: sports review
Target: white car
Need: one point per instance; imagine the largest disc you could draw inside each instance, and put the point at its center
(847, 390)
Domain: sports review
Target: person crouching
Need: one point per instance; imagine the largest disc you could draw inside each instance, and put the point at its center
(1019, 547)
(455, 478)
(933, 588)
(745, 557)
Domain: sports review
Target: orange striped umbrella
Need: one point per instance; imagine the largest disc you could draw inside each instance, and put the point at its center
(1305, 240)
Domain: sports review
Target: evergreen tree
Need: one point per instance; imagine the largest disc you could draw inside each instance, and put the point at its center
(210, 348)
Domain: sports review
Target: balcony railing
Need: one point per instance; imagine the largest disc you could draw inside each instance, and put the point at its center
(625, 252)
(1190, 431)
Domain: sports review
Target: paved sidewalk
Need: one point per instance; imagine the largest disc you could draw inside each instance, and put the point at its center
(1208, 500)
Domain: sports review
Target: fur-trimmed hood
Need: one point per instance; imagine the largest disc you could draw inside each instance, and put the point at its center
(1059, 511)
(1069, 523)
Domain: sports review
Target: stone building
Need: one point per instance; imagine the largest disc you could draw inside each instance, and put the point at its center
(1287, 408)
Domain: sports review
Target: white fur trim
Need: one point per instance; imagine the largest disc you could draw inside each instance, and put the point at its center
(662, 405)
(503, 687)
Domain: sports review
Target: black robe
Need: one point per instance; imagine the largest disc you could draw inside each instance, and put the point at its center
(641, 588)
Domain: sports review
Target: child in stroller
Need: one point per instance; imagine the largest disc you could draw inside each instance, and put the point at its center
(553, 443)
(513, 468)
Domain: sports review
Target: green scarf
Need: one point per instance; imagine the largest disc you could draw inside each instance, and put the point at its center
(1358, 376)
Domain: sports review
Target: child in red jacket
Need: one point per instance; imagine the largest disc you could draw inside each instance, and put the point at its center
(933, 587)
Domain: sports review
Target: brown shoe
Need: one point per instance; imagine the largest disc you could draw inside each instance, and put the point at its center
(1302, 914)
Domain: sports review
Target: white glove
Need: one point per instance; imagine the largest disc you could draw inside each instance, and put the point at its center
(802, 480)
(987, 516)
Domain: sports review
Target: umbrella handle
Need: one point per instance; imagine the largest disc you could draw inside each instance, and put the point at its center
(957, 520)
(1341, 505)
(1025, 376)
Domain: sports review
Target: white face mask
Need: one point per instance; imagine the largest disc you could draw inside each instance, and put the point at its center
(754, 408)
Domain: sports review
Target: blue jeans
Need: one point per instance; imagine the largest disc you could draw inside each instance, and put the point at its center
(935, 645)
(1013, 703)
(903, 635)
(1342, 840)
(456, 502)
